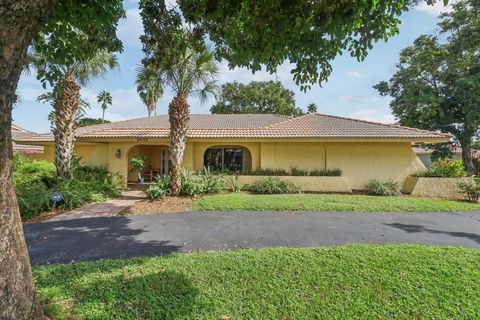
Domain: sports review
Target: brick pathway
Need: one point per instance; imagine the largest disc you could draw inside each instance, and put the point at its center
(108, 208)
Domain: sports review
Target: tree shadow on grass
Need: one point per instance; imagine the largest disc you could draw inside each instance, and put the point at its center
(415, 228)
(90, 239)
(130, 293)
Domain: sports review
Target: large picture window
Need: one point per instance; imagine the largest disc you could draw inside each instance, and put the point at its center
(227, 159)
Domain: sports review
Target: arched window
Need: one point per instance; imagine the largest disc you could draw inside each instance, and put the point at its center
(231, 159)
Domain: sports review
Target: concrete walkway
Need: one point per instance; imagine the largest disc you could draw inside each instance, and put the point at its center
(149, 235)
(108, 208)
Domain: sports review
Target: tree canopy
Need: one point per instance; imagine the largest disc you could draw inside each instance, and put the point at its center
(149, 87)
(309, 34)
(256, 97)
(84, 122)
(312, 108)
(74, 32)
(437, 83)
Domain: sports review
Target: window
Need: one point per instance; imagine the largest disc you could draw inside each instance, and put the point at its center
(227, 159)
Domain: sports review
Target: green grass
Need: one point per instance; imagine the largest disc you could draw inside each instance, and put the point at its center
(306, 202)
(337, 282)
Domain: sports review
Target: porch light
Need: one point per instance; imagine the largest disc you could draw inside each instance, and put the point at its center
(118, 154)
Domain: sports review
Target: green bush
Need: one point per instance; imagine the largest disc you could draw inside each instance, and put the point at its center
(267, 172)
(213, 182)
(192, 184)
(334, 172)
(273, 185)
(383, 188)
(444, 169)
(471, 189)
(35, 181)
(294, 171)
(160, 188)
(204, 181)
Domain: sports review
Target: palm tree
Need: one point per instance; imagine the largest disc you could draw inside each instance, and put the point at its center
(186, 73)
(149, 87)
(66, 99)
(105, 98)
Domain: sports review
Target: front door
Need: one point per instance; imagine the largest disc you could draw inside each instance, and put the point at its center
(165, 161)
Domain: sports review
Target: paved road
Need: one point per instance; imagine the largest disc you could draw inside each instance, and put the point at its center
(113, 237)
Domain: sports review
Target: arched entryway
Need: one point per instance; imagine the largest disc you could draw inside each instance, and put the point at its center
(157, 161)
(228, 158)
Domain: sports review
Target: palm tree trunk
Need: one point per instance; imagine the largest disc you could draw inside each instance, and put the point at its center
(20, 21)
(66, 108)
(179, 116)
(103, 115)
(149, 110)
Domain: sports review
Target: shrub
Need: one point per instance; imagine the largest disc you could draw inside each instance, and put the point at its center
(444, 169)
(235, 186)
(383, 188)
(192, 184)
(204, 181)
(35, 181)
(160, 188)
(267, 172)
(213, 182)
(294, 171)
(334, 172)
(273, 185)
(471, 190)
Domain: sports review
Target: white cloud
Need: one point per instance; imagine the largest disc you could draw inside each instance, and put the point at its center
(354, 74)
(358, 100)
(244, 75)
(125, 104)
(29, 93)
(131, 28)
(375, 114)
(435, 9)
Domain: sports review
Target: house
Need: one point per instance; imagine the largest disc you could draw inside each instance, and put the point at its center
(18, 133)
(241, 142)
(425, 154)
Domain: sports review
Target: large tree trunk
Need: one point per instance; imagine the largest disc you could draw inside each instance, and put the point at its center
(179, 115)
(467, 157)
(20, 20)
(66, 108)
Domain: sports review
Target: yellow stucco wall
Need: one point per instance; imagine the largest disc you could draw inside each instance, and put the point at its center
(95, 154)
(446, 188)
(359, 161)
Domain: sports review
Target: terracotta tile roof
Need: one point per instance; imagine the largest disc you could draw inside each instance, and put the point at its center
(250, 126)
(19, 133)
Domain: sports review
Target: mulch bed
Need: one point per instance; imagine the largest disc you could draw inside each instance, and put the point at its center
(163, 205)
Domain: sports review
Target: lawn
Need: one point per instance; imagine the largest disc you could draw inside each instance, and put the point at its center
(313, 202)
(337, 282)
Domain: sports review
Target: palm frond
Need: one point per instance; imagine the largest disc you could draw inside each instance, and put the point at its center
(97, 66)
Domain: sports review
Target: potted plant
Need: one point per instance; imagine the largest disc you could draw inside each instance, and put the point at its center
(139, 164)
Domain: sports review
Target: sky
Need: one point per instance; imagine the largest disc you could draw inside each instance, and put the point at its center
(348, 91)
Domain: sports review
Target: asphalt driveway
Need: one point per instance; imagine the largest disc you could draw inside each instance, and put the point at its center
(146, 235)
